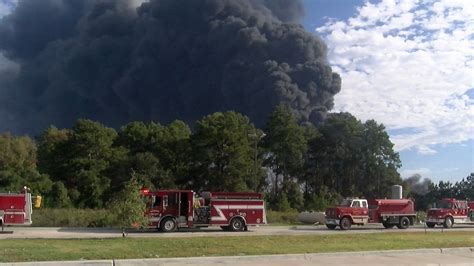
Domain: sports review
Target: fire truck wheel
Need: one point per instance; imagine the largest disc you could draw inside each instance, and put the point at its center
(168, 225)
(448, 222)
(430, 225)
(345, 223)
(404, 223)
(237, 224)
(331, 226)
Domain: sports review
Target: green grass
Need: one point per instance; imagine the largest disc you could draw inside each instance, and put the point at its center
(13, 250)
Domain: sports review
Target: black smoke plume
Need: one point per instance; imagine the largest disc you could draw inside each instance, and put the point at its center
(116, 61)
(418, 186)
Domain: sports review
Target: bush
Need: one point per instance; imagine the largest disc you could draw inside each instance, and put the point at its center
(420, 217)
(284, 217)
(72, 218)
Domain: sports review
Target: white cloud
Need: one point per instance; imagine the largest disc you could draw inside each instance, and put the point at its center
(425, 150)
(408, 64)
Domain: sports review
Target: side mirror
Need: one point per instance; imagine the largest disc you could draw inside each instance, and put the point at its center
(153, 200)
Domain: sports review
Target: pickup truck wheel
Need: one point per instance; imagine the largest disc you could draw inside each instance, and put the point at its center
(448, 222)
(430, 225)
(388, 225)
(404, 223)
(237, 224)
(345, 223)
(168, 225)
(331, 226)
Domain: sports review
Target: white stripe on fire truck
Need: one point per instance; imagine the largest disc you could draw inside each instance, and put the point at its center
(221, 216)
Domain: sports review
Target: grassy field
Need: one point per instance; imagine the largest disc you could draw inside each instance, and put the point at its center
(13, 250)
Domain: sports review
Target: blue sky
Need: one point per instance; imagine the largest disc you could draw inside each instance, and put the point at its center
(407, 64)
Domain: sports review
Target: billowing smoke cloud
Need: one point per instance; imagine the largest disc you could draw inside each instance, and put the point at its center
(418, 186)
(116, 61)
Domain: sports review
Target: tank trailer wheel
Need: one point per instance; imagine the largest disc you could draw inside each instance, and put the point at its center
(404, 223)
(331, 226)
(237, 224)
(448, 222)
(168, 225)
(345, 223)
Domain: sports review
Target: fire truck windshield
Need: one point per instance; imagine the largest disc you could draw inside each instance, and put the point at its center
(346, 203)
(442, 204)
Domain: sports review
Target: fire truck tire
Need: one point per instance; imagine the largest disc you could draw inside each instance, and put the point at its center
(237, 224)
(345, 223)
(448, 222)
(388, 225)
(430, 225)
(331, 226)
(404, 223)
(168, 225)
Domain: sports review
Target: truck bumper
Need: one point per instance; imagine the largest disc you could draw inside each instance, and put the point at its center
(435, 220)
(332, 221)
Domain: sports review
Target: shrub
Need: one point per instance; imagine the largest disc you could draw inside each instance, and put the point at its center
(420, 217)
(72, 218)
(285, 217)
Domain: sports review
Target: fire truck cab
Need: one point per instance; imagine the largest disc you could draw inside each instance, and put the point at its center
(449, 211)
(170, 210)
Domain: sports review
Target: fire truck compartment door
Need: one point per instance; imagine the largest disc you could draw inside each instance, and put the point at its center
(14, 218)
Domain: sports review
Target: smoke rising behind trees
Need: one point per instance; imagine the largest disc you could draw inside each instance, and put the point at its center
(121, 61)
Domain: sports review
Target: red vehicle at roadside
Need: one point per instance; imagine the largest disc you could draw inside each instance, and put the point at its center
(16, 208)
(450, 211)
(169, 210)
(388, 212)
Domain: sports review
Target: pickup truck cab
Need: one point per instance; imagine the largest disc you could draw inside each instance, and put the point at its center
(350, 211)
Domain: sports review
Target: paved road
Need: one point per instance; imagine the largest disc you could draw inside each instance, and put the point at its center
(50, 232)
(456, 256)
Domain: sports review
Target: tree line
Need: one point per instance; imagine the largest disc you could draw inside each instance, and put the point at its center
(297, 166)
(425, 192)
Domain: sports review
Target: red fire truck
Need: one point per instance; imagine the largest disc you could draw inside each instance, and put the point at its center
(16, 208)
(169, 210)
(450, 211)
(389, 212)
